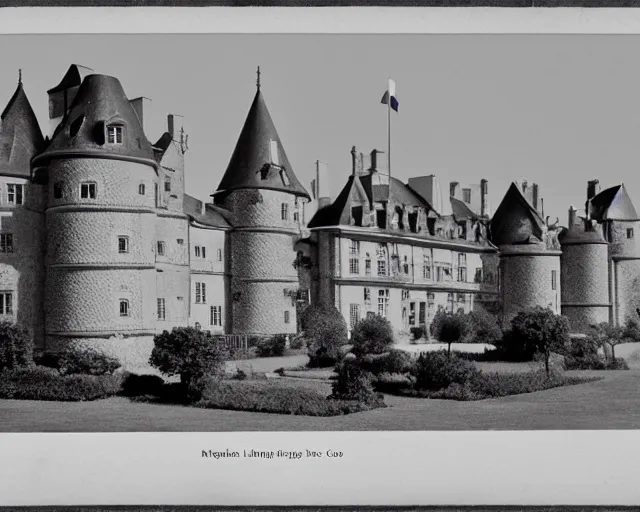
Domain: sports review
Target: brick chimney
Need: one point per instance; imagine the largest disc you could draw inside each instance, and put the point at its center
(454, 189)
(140, 105)
(592, 189)
(572, 216)
(354, 161)
(484, 192)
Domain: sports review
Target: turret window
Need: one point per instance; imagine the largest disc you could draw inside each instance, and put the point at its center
(114, 134)
(15, 193)
(161, 309)
(160, 248)
(6, 242)
(124, 307)
(6, 303)
(285, 211)
(554, 280)
(57, 190)
(167, 185)
(630, 233)
(142, 189)
(88, 190)
(287, 317)
(123, 244)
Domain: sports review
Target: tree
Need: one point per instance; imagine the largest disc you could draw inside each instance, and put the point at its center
(612, 335)
(540, 330)
(449, 327)
(372, 335)
(483, 327)
(188, 352)
(325, 331)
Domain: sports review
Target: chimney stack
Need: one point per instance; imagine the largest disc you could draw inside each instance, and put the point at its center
(572, 216)
(592, 189)
(484, 191)
(354, 161)
(534, 195)
(454, 188)
(175, 127)
(140, 105)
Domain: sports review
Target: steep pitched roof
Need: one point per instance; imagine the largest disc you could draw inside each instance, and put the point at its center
(461, 210)
(73, 77)
(516, 221)
(211, 216)
(331, 214)
(20, 136)
(396, 190)
(613, 204)
(100, 101)
(162, 145)
(251, 164)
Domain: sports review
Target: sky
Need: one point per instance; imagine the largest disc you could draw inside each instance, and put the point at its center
(557, 110)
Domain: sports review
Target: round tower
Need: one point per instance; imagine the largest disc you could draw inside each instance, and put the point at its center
(100, 221)
(21, 219)
(529, 258)
(584, 275)
(261, 190)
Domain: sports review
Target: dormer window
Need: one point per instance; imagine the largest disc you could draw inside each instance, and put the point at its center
(114, 133)
(285, 178)
(88, 190)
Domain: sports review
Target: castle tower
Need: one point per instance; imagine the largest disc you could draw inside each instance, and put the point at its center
(613, 210)
(529, 258)
(261, 190)
(584, 274)
(21, 219)
(100, 259)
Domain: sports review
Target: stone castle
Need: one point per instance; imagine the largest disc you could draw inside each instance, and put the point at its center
(99, 243)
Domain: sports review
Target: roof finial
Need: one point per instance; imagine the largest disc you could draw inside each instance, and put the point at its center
(19, 76)
(258, 80)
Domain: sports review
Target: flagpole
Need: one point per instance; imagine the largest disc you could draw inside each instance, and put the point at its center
(389, 129)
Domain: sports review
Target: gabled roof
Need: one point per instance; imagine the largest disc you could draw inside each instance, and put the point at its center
(100, 101)
(395, 190)
(612, 204)
(516, 221)
(331, 214)
(20, 135)
(73, 77)
(461, 210)
(251, 164)
(212, 216)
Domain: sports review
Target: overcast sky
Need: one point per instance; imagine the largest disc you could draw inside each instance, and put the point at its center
(558, 110)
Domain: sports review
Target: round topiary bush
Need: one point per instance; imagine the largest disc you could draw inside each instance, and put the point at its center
(373, 335)
(16, 346)
(325, 331)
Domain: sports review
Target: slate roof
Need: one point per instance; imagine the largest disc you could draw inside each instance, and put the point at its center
(577, 235)
(212, 216)
(612, 204)
(20, 136)
(509, 223)
(253, 155)
(73, 77)
(100, 101)
(461, 210)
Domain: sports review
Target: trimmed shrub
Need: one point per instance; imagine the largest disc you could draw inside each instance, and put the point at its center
(190, 353)
(87, 361)
(326, 331)
(41, 383)
(393, 383)
(438, 370)
(483, 328)
(394, 361)
(141, 385)
(449, 327)
(272, 397)
(297, 342)
(373, 335)
(353, 383)
(16, 346)
(272, 347)
(418, 332)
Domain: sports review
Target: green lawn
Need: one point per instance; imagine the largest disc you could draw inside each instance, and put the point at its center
(611, 403)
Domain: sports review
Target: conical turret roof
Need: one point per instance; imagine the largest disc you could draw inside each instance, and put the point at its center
(252, 164)
(516, 221)
(20, 136)
(100, 102)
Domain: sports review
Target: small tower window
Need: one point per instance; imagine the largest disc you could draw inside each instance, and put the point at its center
(180, 241)
(161, 310)
(57, 190)
(554, 280)
(123, 244)
(629, 232)
(285, 211)
(15, 193)
(88, 190)
(219, 254)
(167, 185)
(142, 189)
(124, 307)
(160, 248)
(286, 317)
(114, 134)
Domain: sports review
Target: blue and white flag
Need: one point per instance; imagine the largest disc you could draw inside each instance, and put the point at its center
(391, 93)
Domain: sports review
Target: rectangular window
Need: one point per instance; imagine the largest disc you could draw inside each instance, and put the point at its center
(167, 185)
(478, 277)
(462, 259)
(367, 296)
(215, 316)
(382, 268)
(466, 195)
(426, 267)
(6, 242)
(354, 266)
(57, 190)
(295, 216)
(287, 317)
(87, 190)
(450, 302)
(354, 248)
(161, 310)
(383, 302)
(285, 211)
(629, 232)
(439, 273)
(367, 267)
(461, 297)
(180, 241)
(554, 279)
(201, 294)
(197, 251)
(219, 254)
(462, 274)
(204, 252)
(123, 244)
(423, 313)
(114, 134)
(354, 314)
(431, 299)
(160, 248)
(124, 307)
(6, 303)
(15, 193)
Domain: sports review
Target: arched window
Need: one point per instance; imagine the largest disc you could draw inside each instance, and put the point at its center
(124, 307)
(142, 189)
